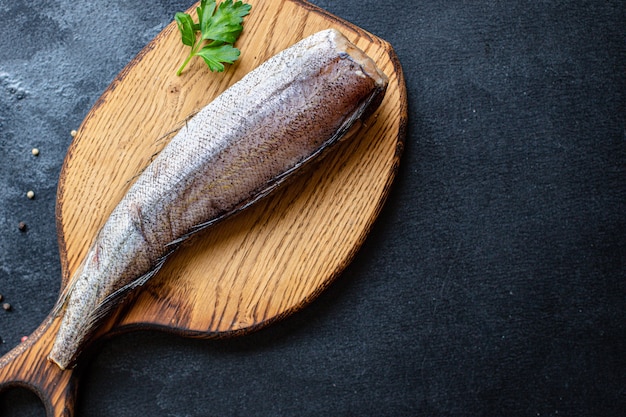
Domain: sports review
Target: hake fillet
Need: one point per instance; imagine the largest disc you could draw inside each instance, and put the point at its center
(236, 150)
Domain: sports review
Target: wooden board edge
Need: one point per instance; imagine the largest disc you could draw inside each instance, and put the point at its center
(65, 273)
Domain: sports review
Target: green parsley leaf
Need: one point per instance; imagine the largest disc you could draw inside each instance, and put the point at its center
(226, 24)
(214, 56)
(218, 27)
(203, 18)
(185, 26)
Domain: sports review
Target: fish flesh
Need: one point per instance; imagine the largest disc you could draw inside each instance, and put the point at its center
(242, 146)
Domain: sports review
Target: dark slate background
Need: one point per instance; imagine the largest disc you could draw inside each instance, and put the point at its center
(493, 283)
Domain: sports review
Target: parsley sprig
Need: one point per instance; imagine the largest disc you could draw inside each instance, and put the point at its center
(212, 38)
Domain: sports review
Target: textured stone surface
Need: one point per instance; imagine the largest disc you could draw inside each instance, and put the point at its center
(494, 282)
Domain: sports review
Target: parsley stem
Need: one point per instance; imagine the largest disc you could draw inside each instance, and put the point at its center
(192, 53)
(182, 67)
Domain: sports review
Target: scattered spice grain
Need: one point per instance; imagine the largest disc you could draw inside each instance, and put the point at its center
(30, 194)
(6, 306)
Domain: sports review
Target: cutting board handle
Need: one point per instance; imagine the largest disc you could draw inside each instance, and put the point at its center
(27, 366)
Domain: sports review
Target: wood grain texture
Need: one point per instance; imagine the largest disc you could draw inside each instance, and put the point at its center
(251, 269)
(26, 366)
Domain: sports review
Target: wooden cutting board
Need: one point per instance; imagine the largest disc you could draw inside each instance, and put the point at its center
(251, 269)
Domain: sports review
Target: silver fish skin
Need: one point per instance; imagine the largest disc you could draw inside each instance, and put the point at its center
(237, 149)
